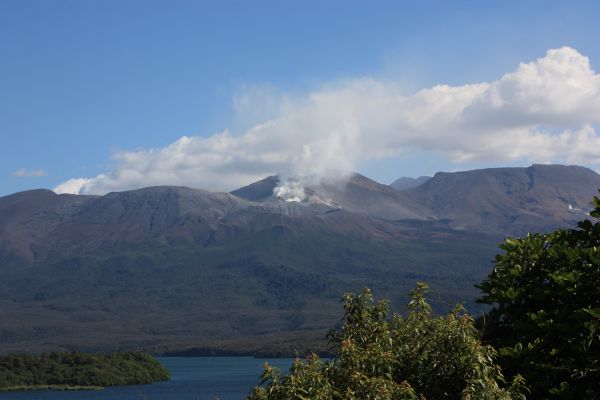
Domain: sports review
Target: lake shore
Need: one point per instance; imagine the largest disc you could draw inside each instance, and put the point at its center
(22, 388)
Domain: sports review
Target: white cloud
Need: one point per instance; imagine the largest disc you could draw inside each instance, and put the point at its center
(29, 173)
(544, 111)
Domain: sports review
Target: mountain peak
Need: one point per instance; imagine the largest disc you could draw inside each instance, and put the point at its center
(258, 191)
(511, 200)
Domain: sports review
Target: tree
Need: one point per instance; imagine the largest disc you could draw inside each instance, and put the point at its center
(378, 358)
(545, 289)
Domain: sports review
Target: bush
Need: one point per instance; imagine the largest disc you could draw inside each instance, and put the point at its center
(545, 289)
(416, 357)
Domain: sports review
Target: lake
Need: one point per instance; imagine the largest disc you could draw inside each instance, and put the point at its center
(192, 378)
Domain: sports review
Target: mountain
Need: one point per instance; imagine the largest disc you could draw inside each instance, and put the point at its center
(173, 268)
(32, 216)
(40, 226)
(510, 201)
(503, 201)
(354, 192)
(258, 191)
(405, 182)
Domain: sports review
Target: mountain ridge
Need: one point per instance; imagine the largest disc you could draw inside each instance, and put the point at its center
(171, 268)
(510, 200)
(406, 182)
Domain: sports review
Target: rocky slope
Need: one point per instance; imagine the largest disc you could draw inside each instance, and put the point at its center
(510, 201)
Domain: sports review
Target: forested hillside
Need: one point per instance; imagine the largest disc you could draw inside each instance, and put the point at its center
(78, 370)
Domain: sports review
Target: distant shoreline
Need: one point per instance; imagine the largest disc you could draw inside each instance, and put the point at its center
(211, 352)
(27, 388)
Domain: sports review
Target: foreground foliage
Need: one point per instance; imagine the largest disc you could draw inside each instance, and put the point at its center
(416, 357)
(546, 319)
(80, 369)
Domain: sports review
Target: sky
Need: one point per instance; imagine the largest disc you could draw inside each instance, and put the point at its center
(100, 96)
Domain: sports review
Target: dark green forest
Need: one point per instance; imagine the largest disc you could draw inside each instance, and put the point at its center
(64, 370)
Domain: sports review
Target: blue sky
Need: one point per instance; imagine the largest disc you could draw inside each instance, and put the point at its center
(82, 82)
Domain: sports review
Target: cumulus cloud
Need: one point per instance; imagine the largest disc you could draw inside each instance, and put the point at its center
(544, 111)
(29, 173)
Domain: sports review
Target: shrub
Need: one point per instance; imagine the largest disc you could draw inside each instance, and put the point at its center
(414, 357)
(545, 289)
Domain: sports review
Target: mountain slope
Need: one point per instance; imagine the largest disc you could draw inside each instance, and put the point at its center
(258, 191)
(355, 193)
(27, 220)
(171, 268)
(510, 200)
(40, 225)
(404, 182)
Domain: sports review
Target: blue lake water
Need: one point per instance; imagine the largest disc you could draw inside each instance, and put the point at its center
(192, 378)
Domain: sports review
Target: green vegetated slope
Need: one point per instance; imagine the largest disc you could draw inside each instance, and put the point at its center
(273, 291)
(79, 370)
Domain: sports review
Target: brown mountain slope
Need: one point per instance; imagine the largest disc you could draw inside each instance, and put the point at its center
(362, 195)
(510, 200)
(39, 226)
(357, 194)
(506, 201)
(28, 218)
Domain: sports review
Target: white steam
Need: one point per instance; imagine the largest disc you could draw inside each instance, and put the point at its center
(291, 189)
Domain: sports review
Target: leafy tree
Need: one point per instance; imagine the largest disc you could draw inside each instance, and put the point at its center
(417, 357)
(545, 289)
